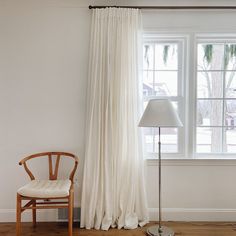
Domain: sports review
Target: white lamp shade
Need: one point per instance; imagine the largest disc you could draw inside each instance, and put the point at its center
(160, 113)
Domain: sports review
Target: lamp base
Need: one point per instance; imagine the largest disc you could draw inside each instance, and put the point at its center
(165, 231)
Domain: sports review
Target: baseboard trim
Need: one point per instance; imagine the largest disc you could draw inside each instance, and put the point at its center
(168, 214)
(193, 214)
(9, 215)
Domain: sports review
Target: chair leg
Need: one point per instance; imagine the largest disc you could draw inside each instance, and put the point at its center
(34, 214)
(70, 213)
(18, 215)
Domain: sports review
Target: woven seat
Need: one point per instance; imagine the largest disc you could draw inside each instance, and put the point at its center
(46, 189)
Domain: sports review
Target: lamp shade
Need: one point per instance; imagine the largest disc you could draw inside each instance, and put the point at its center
(160, 113)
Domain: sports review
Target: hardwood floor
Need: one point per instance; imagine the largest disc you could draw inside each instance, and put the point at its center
(180, 228)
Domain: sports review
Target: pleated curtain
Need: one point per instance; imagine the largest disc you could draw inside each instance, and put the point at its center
(113, 191)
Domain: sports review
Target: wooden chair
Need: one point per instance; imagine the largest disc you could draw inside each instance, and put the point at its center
(47, 194)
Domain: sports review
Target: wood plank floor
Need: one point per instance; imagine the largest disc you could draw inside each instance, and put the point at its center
(180, 228)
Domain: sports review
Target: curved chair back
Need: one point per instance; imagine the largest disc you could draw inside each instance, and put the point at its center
(52, 173)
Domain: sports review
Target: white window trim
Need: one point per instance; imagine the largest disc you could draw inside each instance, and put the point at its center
(208, 38)
(182, 40)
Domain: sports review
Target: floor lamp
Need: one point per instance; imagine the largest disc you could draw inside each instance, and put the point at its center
(160, 113)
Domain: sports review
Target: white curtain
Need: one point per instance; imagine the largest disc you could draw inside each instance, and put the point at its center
(113, 192)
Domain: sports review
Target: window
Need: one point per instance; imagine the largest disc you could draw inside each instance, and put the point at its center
(163, 76)
(198, 74)
(216, 96)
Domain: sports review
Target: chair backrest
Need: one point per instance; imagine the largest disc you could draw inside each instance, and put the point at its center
(52, 173)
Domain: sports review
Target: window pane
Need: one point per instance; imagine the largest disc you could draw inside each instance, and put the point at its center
(166, 57)
(149, 140)
(230, 84)
(210, 56)
(148, 80)
(230, 140)
(230, 56)
(209, 112)
(209, 140)
(166, 83)
(169, 140)
(148, 57)
(230, 113)
(210, 84)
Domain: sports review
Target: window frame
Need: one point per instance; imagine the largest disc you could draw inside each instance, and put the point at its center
(181, 98)
(205, 39)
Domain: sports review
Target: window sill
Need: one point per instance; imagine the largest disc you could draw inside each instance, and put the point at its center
(193, 162)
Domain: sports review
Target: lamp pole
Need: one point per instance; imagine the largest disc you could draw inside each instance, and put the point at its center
(159, 166)
(159, 230)
(160, 113)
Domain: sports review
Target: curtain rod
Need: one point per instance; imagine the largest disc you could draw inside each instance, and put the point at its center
(172, 7)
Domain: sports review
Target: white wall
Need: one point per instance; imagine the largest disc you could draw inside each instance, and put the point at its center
(43, 76)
